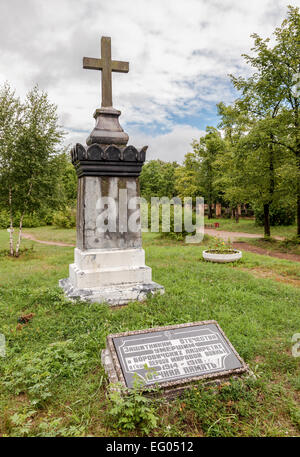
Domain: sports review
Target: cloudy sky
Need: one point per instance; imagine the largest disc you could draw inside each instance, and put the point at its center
(180, 54)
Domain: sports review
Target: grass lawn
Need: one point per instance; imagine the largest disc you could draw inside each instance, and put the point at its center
(283, 246)
(51, 233)
(52, 382)
(248, 226)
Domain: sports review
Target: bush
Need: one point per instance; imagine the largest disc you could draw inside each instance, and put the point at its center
(173, 234)
(4, 219)
(131, 409)
(30, 220)
(37, 373)
(65, 219)
(283, 215)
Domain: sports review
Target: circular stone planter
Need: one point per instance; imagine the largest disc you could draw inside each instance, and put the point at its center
(222, 257)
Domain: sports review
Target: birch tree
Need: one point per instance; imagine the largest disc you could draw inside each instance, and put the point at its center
(30, 145)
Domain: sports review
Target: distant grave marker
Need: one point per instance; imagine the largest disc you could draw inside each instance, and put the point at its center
(171, 356)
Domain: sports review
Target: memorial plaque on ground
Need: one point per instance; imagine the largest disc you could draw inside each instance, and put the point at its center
(172, 355)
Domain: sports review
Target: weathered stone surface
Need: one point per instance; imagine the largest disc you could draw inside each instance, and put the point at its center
(99, 268)
(90, 206)
(113, 295)
(102, 258)
(107, 129)
(109, 160)
(176, 355)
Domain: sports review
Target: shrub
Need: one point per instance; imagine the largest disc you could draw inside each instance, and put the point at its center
(283, 215)
(36, 373)
(130, 409)
(65, 219)
(4, 219)
(30, 220)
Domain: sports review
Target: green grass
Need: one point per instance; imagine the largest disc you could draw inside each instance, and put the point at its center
(51, 233)
(52, 382)
(248, 226)
(272, 245)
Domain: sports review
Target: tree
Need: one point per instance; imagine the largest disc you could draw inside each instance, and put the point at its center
(230, 179)
(206, 152)
(158, 179)
(269, 96)
(28, 173)
(68, 179)
(187, 177)
(10, 126)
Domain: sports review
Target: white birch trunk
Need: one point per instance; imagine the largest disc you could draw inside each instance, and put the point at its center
(11, 227)
(20, 235)
(21, 223)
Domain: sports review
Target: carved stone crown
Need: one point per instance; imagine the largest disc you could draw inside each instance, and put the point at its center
(95, 160)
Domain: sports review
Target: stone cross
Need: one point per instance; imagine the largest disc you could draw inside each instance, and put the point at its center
(106, 65)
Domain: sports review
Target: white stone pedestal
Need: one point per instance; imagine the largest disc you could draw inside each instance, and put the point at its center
(115, 276)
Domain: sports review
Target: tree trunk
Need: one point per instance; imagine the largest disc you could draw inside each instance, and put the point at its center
(298, 214)
(267, 219)
(298, 198)
(210, 214)
(21, 222)
(19, 236)
(11, 226)
(237, 215)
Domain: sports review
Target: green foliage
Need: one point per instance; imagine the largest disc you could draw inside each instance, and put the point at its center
(30, 136)
(4, 219)
(219, 410)
(266, 315)
(29, 220)
(272, 145)
(67, 180)
(35, 373)
(65, 219)
(283, 215)
(130, 409)
(198, 176)
(158, 179)
(220, 246)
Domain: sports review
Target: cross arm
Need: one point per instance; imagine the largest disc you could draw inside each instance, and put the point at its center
(92, 64)
(121, 67)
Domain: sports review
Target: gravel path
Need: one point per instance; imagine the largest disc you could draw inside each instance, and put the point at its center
(233, 236)
(28, 236)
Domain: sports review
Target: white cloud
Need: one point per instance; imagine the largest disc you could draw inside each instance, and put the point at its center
(171, 146)
(180, 54)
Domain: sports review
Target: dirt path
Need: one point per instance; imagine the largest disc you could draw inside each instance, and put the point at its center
(28, 236)
(233, 236)
(219, 233)
(256, 250)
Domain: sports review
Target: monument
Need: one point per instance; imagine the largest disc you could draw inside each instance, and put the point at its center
(174, 357)
(109, 264)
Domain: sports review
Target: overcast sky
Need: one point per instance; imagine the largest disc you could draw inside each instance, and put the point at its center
(180, 54)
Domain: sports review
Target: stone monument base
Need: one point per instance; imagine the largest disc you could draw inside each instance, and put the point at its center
(120, 294)
(114, 276)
